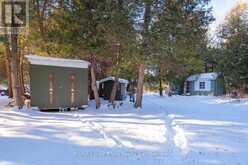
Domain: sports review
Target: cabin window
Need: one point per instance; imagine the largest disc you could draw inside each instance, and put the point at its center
(72, 88)
(202, 85)
(51, 88)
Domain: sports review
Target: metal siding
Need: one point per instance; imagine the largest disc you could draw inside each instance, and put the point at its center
(202, 93)
(39, 86)
(38, 91)
(191, 87)
(214, 87)
(220, 86)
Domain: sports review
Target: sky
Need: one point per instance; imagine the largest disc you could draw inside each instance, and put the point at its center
(220, 9)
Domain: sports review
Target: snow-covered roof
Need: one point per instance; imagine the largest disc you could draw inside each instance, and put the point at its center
(203, 76)
(61, 62)
(112, 78)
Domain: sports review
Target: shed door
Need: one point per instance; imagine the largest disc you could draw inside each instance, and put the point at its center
(72, 89)
(53, 91)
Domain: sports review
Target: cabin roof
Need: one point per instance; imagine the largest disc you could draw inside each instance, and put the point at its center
(54, 61)
(112, 78)
(203, 76)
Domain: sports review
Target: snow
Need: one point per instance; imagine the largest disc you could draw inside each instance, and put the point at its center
(61, 62)
(112, 78)
(178, 130)
(203, 76)
(3, 101)
(3, 87)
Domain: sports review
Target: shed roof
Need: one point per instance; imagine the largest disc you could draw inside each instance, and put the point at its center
(60, 62)
(112, 78)
(203, 76)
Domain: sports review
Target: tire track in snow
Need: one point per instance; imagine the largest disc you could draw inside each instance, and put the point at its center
(100, 129)
(174, 134)
(176, 140)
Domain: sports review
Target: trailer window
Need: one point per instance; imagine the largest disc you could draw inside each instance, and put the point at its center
(51, 88)
(72, 88)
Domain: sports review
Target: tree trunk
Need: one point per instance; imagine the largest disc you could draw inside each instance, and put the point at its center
(206, 67)
(93, 86)
(8, 69)
(160, 83)
(147, 21)
(116, 79)
(139, 95)
(15, 74)
(114, 90)
(62, 4)
(160, 87)
(185, 88)
(21, 72)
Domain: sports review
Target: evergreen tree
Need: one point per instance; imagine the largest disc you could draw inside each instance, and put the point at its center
(232, 57)
(179, 34)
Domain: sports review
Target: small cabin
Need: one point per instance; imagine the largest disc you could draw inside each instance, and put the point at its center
(106, 85)
(209, 84)
(57, 83)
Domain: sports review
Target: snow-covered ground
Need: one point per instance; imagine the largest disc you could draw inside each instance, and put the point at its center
(174, 130)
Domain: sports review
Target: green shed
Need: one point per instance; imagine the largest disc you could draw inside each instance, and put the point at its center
(205, 84)
(106, 85)
(57, 83)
